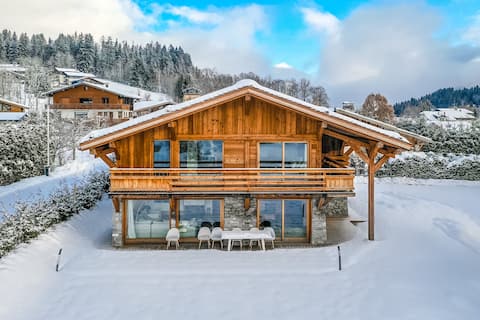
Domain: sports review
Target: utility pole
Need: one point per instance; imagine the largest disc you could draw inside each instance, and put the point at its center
(47, 167)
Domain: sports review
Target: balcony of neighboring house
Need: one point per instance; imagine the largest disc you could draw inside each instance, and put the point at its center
(91, 106)
(232, 180)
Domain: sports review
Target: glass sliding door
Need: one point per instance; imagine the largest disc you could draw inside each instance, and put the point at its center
(288, 217)
(147, 219)
(193, 214)
(271, 215)
(295, 218)
(201, 154)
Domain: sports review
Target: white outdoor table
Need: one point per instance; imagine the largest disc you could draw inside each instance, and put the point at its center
(246, 235)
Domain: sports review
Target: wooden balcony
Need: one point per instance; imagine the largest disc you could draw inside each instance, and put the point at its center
(89, 106)
(241, 180)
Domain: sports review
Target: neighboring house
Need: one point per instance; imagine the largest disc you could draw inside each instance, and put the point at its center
(449, 117)
(101, 100)
(14, 69)
(12, 111)
(65, 76)
(244, 156)
(143, 107)
(190, 93)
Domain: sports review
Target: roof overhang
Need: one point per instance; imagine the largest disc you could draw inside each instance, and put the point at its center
(197, 105)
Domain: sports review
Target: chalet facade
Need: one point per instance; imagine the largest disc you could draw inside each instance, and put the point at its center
(12, 111)
(244, 156)
(102, 100)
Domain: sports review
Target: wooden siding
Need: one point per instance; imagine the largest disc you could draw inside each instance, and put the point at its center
(73, 95)
(241, 125)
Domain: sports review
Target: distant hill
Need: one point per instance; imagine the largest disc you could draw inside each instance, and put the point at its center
(443, 98)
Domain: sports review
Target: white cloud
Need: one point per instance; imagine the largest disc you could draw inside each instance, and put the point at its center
(283, 65)
(118, 18)
(223, 39)
(392, 50)
(321, 21)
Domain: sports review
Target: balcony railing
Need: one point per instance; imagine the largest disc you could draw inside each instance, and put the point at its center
(241, 180)
(90, 106)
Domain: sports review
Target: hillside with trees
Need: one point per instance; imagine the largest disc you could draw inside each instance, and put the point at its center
(442, 98)
(152, 66)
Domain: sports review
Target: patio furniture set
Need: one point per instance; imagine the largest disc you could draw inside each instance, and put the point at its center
(233, 237)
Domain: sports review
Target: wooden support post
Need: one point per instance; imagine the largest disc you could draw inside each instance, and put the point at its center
(371, 199)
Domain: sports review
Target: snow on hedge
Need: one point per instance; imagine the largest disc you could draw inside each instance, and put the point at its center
(32, 218)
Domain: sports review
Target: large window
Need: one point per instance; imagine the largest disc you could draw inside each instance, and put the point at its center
(194, 214)
(287, 217)
(161, 154)
(148, 219)
(201, 154)
(283, 155)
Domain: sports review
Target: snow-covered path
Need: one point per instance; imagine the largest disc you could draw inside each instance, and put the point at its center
(424, 265)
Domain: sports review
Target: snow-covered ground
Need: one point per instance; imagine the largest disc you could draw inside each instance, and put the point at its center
(423, 265)
(38, 187)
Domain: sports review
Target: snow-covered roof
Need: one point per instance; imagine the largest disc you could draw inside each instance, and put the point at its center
(116, 88)
(13, 103)
(141, 105)
(239, 85)
(12, 116)
(74, 73)
(12, 67)
(448, 114)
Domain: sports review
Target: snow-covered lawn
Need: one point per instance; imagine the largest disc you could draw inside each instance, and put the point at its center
(425, 264)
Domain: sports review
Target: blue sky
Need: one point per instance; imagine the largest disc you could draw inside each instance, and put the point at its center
(352, 48)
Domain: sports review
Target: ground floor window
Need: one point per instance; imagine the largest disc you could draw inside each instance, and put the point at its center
(287, 217)
(148, 218)
(196, 213)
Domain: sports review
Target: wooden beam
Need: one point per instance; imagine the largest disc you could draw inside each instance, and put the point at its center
(107, 160)
(348, 152)
(381, 161)
(172, 130)
(349, 140)
(116, 204)
(248, 97)
(247, 203)
(360, 153)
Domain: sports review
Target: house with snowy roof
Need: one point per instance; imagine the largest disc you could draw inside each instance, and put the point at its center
(449, 117)
(102, 100)
(12, 111)
(241, 157)
(65, 76)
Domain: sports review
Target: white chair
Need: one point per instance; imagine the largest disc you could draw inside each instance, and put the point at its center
(272, 234)
(203, 235)
(216, 236)
(237, 240)
(255, 240)
(173, 235)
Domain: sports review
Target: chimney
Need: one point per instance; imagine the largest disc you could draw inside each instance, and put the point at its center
(190, 93)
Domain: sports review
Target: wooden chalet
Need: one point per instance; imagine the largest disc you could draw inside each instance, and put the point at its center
(100, 99)
(12, 111)
(244, 156)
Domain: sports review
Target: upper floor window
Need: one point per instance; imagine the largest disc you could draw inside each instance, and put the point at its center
(201, 154)
(86, 100)
(105, 100)
(161, 154)
(283, 155)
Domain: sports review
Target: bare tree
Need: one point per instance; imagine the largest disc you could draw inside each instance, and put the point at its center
(376, 106)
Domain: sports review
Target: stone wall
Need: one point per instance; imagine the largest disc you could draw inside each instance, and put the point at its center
(336, 207)
(117, 230)
(236, 216)
(319, 225)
